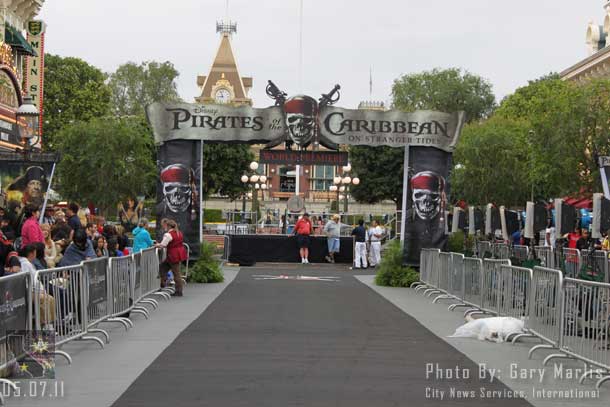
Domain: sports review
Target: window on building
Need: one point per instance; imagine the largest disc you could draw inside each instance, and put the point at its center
(322, 177)
(287, 179)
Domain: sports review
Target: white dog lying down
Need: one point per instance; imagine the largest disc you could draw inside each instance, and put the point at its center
(494, 329)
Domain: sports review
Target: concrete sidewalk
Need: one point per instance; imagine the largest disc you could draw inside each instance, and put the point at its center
(98, 376)
(508, 360)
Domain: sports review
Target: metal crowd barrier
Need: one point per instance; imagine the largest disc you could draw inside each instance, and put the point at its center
(96, 294)
(516, 283)
(428, 269)
(501, 251)
(568, 260)
(544, 318)
(546, 256)
(16, 314)
(473, 280)
(61, 306)
(520, 253)
(594, 266)
(484, 249)
(567, 314)
(585, 327)
(72, 301)
(492, 283)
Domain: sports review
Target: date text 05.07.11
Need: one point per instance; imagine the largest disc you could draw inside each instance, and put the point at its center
(34, 389)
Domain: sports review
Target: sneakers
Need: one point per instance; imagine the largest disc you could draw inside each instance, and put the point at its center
(328, 259)
(306, 261)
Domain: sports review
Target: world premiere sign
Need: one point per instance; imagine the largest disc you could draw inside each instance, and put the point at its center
(218, 123)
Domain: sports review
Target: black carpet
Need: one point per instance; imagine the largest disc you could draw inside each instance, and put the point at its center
(283, 342)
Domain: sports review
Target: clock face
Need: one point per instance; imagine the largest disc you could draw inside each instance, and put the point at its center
(222, 96)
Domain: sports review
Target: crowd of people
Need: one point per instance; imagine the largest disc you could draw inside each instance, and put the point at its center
(580, 238)
(37, 241)
(367, 251)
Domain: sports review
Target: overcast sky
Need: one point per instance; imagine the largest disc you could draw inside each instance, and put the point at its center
(507, 42)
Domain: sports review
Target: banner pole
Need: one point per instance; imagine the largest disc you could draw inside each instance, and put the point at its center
(603, 162)
(405, 189)
(46, 195)
(201, 193)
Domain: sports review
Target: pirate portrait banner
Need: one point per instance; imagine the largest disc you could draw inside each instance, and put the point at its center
(178, 189)
(427, 197)
(22, 183)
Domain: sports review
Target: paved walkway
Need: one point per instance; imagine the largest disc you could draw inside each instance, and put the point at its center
(293, 335)
(304, 336)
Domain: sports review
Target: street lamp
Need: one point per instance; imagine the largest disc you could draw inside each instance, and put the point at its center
(257, 182)
(28, 115)
(341, 185)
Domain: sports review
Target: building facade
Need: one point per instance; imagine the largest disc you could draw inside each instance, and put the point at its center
(16, 52)
(597, 63)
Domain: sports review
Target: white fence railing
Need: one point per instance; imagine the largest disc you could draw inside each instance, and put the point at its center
(567, 314)
(71, 302)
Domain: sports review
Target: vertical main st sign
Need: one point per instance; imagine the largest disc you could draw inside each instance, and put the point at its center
(35, 67)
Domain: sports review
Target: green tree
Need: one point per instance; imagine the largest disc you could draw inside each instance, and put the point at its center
(223, 166)
(74, 91)
(105, 160)
(558, 140)
(491, 163)
(380, 168)
(445, 90)
(136, 85)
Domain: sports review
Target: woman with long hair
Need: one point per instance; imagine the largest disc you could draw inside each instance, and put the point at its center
(51, 255)
(176, 253)
(101, 247)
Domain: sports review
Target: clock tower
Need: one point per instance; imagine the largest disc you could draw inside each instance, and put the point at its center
(223, 84)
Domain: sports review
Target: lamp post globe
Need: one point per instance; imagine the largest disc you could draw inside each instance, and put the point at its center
(254, 166)
(336, 180)
(346, 180)
(245, 179)
(262, 178)
(333, 188)
(347, 168)
(254, 179)
(27, 115)
(356, 181)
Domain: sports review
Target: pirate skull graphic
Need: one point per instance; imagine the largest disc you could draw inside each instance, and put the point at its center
(428, 190)
(301, 116)
(176, 187)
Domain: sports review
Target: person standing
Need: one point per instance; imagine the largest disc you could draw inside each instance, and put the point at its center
(176, 253)
(360, 234)
(73, 219)
(141, 237)
(375, 235)
(573, 237)
(333, 234)
(302, 230)
(31, 231)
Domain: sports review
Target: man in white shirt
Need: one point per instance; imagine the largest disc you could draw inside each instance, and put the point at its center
(375, 234)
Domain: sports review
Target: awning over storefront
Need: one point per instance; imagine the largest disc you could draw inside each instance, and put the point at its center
(14, 38)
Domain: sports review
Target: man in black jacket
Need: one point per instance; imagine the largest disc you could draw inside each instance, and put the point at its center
(360, 234)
